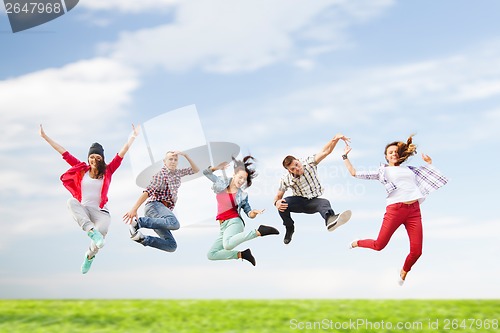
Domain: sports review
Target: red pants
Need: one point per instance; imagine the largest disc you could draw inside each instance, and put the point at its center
(395, 215)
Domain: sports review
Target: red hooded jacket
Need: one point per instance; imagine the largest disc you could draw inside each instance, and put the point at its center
(72, 179)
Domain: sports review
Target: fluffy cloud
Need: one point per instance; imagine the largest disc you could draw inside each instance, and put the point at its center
(437, 90)
(84, 96)
(226, 36)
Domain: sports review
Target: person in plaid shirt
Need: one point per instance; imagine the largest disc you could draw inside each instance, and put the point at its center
(161, 195)
(303, 179)
(406, 188)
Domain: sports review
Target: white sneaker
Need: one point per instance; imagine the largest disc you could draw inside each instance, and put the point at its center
(400, 280)
(133, 227)
(336, 221)
(138, 237)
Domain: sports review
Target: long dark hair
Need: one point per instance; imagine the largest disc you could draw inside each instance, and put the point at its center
(405, 149)
(247, 165)
(101, 168)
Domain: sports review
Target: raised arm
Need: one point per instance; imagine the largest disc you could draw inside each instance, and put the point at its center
(347, 163)
(191, 162)
(328, 148)
(60, 149)
(219, 184)
(126, 147)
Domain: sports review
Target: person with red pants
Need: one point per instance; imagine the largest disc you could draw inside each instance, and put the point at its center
(406, 187)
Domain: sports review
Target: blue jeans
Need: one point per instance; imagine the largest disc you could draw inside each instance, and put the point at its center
(298, 204)
(161, 220)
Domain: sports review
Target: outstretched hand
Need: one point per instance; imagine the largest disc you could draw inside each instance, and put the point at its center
(42, 132)
(136, 130)
(254, 212)
(340, 136)
(427, 158)
(129, 216)
(347, 149)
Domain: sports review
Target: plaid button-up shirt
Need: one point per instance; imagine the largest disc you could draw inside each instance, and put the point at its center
(427, 177)
(165, 184)
(306, 185)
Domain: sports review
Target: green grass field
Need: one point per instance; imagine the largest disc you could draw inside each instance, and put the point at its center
(93, 316)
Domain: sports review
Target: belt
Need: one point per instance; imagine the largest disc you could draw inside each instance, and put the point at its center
(167, 204)
(410, 202)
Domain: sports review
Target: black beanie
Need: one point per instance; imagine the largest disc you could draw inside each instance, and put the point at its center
(96, 149)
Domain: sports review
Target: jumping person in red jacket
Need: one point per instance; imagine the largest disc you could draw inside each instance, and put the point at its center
(89, 185)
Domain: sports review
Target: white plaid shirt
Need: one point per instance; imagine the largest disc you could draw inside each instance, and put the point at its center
(306, 185)
(427, 177)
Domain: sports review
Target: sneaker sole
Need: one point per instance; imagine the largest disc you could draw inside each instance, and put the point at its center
(343, 219)
(331, 224)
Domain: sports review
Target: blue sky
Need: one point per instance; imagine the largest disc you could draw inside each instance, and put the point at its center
(277, 78)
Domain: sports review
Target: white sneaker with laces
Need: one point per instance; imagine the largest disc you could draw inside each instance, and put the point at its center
(336, 221)
(138, 237)
(133, 227)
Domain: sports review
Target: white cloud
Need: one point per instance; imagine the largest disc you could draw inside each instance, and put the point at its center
(128, 6)
(463, 228)
(80, 97)
(227, 36)
(386, 89)
(430, 94)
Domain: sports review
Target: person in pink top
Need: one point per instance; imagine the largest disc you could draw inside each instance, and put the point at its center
(88, 184)
(231, 199)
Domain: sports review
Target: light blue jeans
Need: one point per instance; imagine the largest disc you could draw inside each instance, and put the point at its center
(161, 219)
(231, 235)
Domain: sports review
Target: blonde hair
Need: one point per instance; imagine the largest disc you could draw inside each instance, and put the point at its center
(405, 149)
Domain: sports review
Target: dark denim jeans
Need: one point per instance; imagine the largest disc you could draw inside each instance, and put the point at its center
(298, 204)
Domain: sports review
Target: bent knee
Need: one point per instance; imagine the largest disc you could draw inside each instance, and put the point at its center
(378, 246)
(72, 202)
(416, 253)
(228, 247)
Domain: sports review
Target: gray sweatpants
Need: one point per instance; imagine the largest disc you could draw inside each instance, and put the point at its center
(88, 218)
